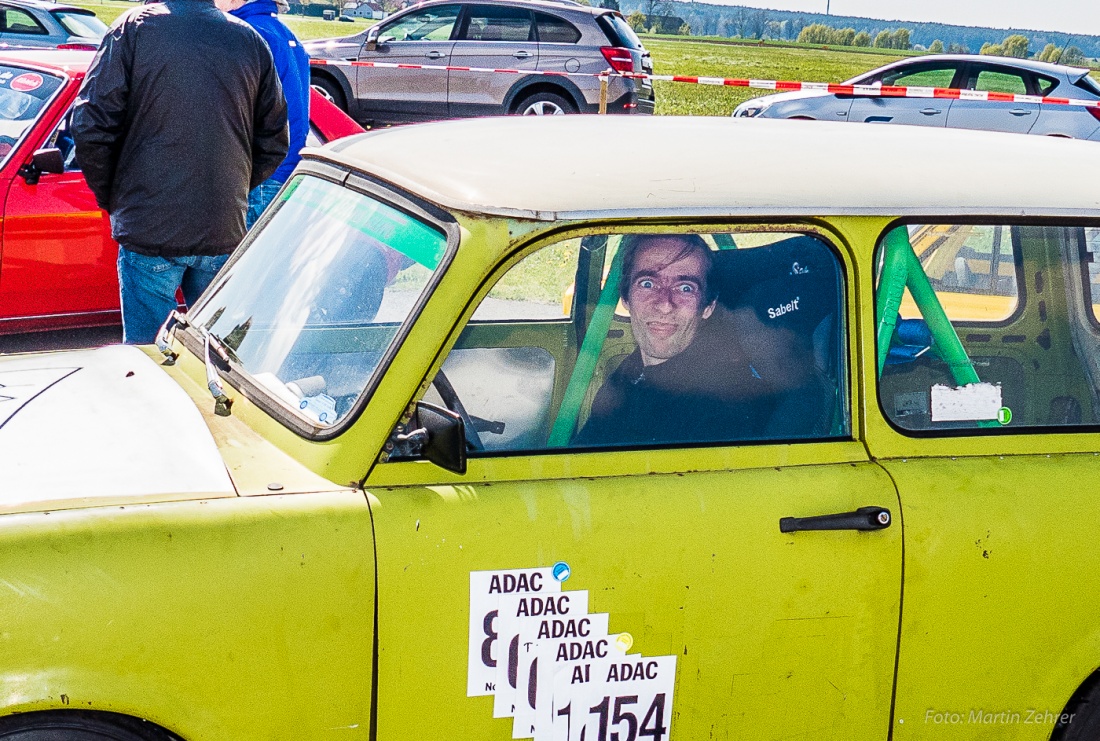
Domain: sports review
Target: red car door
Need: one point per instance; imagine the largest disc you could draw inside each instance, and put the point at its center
(57, 266)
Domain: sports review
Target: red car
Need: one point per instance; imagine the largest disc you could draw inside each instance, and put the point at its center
(57, 258)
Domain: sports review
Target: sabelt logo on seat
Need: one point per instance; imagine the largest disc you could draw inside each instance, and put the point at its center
(787, 308)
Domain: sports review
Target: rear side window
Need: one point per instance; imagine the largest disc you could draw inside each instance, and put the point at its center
(619, 32)
(554, 30)
(497, 23)
(19, 21)
(1045, 85)
(998, 335)
(1000, 81)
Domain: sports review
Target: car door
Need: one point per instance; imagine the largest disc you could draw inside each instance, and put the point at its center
(996, 466)
(59, 257)
(679, 545)
(992, 115)
(493, 37)
(420, 37)
(911, 111)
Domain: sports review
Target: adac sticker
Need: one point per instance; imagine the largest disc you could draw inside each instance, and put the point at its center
(486, 590)
(26, 82)
(554, 668)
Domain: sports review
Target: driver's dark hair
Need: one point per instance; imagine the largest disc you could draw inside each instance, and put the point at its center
(632, 243)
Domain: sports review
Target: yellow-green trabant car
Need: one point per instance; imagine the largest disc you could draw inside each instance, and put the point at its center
(813, 452)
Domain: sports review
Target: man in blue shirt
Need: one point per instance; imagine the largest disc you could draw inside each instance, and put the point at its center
(292, 64)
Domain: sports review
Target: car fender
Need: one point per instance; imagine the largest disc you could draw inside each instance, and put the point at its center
(524, 87)
(190, 614)
(823, 107)
(337, 75)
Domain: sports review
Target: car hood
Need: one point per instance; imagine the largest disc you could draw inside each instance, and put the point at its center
(96, 426)
(342, 48)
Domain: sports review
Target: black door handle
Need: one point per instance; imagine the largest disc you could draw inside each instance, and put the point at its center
(864, 518)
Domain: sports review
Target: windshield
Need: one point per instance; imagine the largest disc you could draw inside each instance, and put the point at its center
(311, 306)
(85, 25)
(23, 98)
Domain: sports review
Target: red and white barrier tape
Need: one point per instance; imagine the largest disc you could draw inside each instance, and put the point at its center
(876, 91)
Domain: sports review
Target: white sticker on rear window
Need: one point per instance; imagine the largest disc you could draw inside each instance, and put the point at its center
(970, 403)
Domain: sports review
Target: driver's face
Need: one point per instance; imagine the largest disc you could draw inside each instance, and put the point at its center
(667, 291)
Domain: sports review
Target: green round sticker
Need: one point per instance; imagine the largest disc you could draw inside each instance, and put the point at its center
(1004, 415)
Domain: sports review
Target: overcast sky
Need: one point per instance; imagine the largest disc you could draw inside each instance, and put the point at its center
(1072, 16)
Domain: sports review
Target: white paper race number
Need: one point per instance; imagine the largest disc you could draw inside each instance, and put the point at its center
(627, 699)
(486, 590)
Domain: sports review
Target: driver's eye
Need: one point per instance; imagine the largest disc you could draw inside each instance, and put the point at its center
(685, 288)
(646, 283)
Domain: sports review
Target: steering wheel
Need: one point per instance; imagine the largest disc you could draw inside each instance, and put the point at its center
(451, 401)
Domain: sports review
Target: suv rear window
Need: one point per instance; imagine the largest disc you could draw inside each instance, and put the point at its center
(619, 32)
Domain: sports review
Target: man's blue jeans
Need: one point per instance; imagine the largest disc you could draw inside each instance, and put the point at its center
(148, 289)
(259, 198)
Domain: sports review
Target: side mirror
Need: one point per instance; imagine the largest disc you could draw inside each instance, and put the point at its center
(437, 434)
(49, 159)
(372, 39)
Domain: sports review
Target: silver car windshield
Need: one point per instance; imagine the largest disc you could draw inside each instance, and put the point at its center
(24, 95)
(312, 305)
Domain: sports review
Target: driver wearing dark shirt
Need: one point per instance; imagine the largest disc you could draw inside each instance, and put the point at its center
(683, 383)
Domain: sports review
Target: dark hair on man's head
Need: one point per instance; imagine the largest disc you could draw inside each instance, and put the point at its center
(632, 244)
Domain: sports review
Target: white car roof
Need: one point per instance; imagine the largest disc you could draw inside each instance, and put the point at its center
(582, 167)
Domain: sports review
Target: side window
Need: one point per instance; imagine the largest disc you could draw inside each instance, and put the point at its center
(1000, 81)
(554, 30)
(718, 339)
(925, 76)
(431, 24)
(1045, 85)
(497, 23)
(20, 21)
(966, 346)
(62, 138)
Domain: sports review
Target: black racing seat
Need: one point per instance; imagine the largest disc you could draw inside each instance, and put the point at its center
(783, 303)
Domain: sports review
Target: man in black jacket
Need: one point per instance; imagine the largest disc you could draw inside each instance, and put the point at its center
(181, 114)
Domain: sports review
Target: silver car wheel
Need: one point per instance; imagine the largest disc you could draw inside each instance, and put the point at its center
(543, 108)
(324, 93)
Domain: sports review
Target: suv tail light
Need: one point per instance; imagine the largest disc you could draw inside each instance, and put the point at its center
(1095, 112)
(78, 47)
(620, 59)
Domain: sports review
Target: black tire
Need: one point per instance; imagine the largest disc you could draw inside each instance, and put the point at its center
(329, 90)
(78, 725)
(545, 104)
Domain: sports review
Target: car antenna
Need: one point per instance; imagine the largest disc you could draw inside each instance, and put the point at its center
(1061, 51)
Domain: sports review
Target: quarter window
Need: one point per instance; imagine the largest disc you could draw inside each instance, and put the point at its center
(721, 339)
(19, 21)
(967, 346)
(554, 30)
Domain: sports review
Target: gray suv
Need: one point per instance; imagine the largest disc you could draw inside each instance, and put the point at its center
(991, 74)
(535, 35)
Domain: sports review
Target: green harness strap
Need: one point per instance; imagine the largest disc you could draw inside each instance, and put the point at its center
(566, 422)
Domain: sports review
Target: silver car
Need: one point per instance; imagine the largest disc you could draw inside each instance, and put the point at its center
(524, 35)
(32, 23)
(967, 72)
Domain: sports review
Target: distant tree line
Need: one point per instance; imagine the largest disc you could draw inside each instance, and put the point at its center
(819, 33)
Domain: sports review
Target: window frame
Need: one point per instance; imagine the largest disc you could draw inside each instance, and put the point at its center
(847, 360)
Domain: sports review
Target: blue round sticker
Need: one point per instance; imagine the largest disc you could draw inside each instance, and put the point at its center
(561, 571)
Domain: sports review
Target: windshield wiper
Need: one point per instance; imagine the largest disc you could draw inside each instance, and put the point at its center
(164, 335)
(219, 360)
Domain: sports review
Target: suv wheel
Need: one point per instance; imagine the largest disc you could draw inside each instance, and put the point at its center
(545, 104)
(329, 90)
